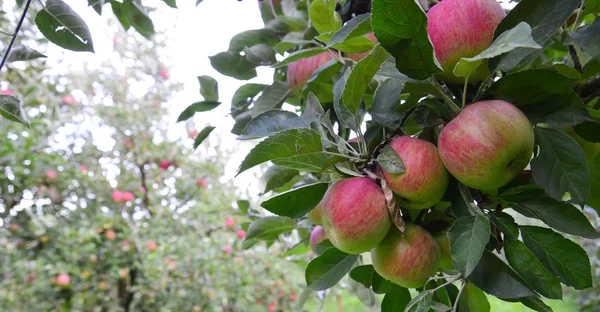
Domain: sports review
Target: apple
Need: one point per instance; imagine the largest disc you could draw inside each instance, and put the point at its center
(227, 248)
(164, 164)
(51, 175)
(192, 134)
(123, 273)
(462, 28)
(63, 279)
(407, 259)
(6, 92)
(240, 234)
(445, 257)
(590, 149)
(69, 100)
(293, 298)
(171, 264)
(354, 214)
(110, 235)
(425, 179)
(299, 71)
(196, 308)
(127, 144)
(315, 215)
(151, 245)
(14, 227)
(316, 236)
(202, 183)
(83, 168)
(103, 285)
(487, 144)
(229, 222)
(164, 73)
(359, 56)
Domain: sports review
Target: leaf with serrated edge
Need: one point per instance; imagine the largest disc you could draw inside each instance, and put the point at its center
(390, 161)
(271, 122)
(62, 26)
(468, 237)
(328, 269)
(11, 109)
(295, 203)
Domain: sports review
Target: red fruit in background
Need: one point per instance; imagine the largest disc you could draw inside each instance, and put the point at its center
(13, 227)
(6, 92)
(240, 234)
(299, 71)
(164, 74)
(202, 183)
(110, 235)
(127, 196)
(293, 298)
(63, 279)
(192, 134)
(407, 259)
(355, 214)
(127, 144)
(51, 175)
(171, 264)
(83, 168)
(227, 248)
(229, 222)
(316, 236)
(196, 308)
(117, 196)
(123, 273)
(359, 56)
(164, 164)
(463, 28)
(281, 294)
(69, 100)
(142, 189)
(487, 144)
(103, 285)
(425, 179)
(151, 245)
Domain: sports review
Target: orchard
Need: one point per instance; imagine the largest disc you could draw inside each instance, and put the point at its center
(424, 155)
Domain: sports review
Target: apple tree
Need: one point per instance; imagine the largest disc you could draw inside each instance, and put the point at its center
(414, 132)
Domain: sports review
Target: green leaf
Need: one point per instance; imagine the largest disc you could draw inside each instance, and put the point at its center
(587, 38)
(234, 65)
(298, 55)
(328, 269)
(420, 303)
(118, 10)
(269, 228)
(292, 148)
(594, 198)
(544, 17)
(468, 237)
(244, 96)
(473, 299)
(271, 122)
(11, 109)
(517, 37)
(346, 117)
(97, 5)
(570, 115)
(243, 205)
(323, 16)
(401, 28)
(505, 223)
(390, 160)
(209, 88)
(496, 278)
(563, 258)
(385, 100)
(171, 3)
(252, 37)
(381, 285)
(322, 246)
(297, 202)
(260, 54)
(462, 202)
(535, 304)
(363, 274)
(560, 166)
(357, 26)
(197, 107)
(23, 53)
(396, 300)
(529, 267)
(286, 45)
(361, 76)
(138, 17)
(63, 27)
(277, 176)
(313, 109)
(202, 136)
(561, 216)
(272, 97)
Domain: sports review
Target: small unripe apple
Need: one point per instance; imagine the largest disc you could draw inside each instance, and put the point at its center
(315, 215)
(110, 235)
(425, 179)
(359, 56)
(317, 236)
(590, 149)
(299, 71)
(355, 214)
(240, 234)
(63, 279)
(445, 256)
(151, 245)
(229, 222)
(407, 259)
(86, 274)
(463, 28)
(487, 144)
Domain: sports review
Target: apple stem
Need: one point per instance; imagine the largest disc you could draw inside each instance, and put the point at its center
(464, 95)
(455, 109)
(346, 156)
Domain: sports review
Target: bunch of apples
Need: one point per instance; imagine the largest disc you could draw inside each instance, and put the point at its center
(484, 147)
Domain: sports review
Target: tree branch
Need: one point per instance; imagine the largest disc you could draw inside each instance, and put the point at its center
(575, 58)
(14, 36)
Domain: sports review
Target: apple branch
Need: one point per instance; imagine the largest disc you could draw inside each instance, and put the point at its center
(15, 34)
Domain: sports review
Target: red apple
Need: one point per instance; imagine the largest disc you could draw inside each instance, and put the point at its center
(164, 164)
(69, 100)
(151, 245)
(83, 168)
(355, 215)
(13, 227)
(123, 273)
(63, 279)
(227, 248)
(51, 175)
(315, 215)
(299, 71)
(407, 259)
(229, 222)
(192, 134)
(6, 92)
(202, 183)
(110, 235)
(127, 196)
(487, 144)
(127, 144)
(425, 179)
(293, 298)
(164, 73)
(240, 234)
(462, 28)
(316, 236)
(359, 56)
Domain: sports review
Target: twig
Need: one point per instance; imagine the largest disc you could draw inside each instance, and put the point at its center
(464, 284)
(453, 107)
(14, 36)
(575, 57)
